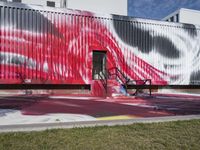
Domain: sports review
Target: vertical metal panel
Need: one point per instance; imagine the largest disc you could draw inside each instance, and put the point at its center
(9, 42)
(1, 40)
(30, 39)
(51, 18)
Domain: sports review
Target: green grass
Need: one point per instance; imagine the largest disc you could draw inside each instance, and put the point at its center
(171, 135)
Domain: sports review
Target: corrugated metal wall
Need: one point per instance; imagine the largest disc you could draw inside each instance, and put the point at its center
(56, 47)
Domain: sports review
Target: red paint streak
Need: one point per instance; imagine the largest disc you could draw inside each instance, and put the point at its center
(159, 105)
(66, 50)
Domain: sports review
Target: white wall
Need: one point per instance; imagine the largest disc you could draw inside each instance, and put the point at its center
(186, 16)
(190, 16)
(100, 6)
(41, 2)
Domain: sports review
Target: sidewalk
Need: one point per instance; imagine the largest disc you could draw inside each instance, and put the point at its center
(45, 126)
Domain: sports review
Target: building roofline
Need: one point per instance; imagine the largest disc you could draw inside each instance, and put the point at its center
(97, 15)
(178, 11)
(172, 14)
(193, 10)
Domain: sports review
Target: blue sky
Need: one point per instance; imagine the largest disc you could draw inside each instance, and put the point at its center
(157, 9)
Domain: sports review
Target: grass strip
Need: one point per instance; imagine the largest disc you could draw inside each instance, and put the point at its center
(166, 135)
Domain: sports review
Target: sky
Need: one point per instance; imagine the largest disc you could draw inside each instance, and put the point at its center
(158, 9)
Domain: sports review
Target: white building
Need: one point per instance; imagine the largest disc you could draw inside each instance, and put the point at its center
(50, 3)
(99, 6)
(184, 15)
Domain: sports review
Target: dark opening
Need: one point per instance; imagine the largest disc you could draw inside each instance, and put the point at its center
(99, 64)
(19, 1)
(177, 17)
(50, 4)
(172, 19)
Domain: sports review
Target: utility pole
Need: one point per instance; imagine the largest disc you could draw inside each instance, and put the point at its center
(63, 3)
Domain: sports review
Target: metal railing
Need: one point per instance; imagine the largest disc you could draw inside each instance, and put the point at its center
(103, 79)
(125, 81)
(119, 75)
(141, 84)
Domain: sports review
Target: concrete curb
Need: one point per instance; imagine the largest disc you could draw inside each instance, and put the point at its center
(62, 125)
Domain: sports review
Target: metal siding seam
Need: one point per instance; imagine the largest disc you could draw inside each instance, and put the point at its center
(154, 51)
(87, 40)
(147, 48)
(61, 36)
(62, 44)
(51, 45)
(53, 54)
(78, 47)
(22, 47)
(36, 41)
(45, 51)
(83, 45)
(40, 42)
(32, 46)
(12, 35)
(25, 49)
(5, 47)
(69, 48)
(58, 49)
(42, 48)
(2, 41)
(128, 69)
(67, 59)
(81, 64)
(19, 36)
(137, 48)
(35, 44)
(156, 58)
(27, 45)
(9, 44)
(125, 61)
(132, 60)
(72, 47)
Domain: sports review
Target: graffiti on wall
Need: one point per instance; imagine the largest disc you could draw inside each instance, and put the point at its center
(56, 47)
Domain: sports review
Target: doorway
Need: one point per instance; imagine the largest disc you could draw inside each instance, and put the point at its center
(99, 64)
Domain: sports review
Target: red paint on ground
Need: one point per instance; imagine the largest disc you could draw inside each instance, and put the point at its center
(158, 105)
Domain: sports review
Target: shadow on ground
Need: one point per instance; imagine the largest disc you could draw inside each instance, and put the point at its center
(158, 105)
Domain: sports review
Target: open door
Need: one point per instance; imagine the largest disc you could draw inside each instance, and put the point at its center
(99, 64)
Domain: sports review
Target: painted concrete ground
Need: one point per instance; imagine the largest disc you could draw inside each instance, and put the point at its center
(26, 109)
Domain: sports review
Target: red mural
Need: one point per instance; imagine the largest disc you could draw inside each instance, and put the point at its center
(50, 47)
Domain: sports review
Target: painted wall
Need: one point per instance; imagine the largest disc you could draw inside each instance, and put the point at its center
(56, 45)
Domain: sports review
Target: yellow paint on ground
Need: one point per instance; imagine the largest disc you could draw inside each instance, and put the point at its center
(117, 117)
